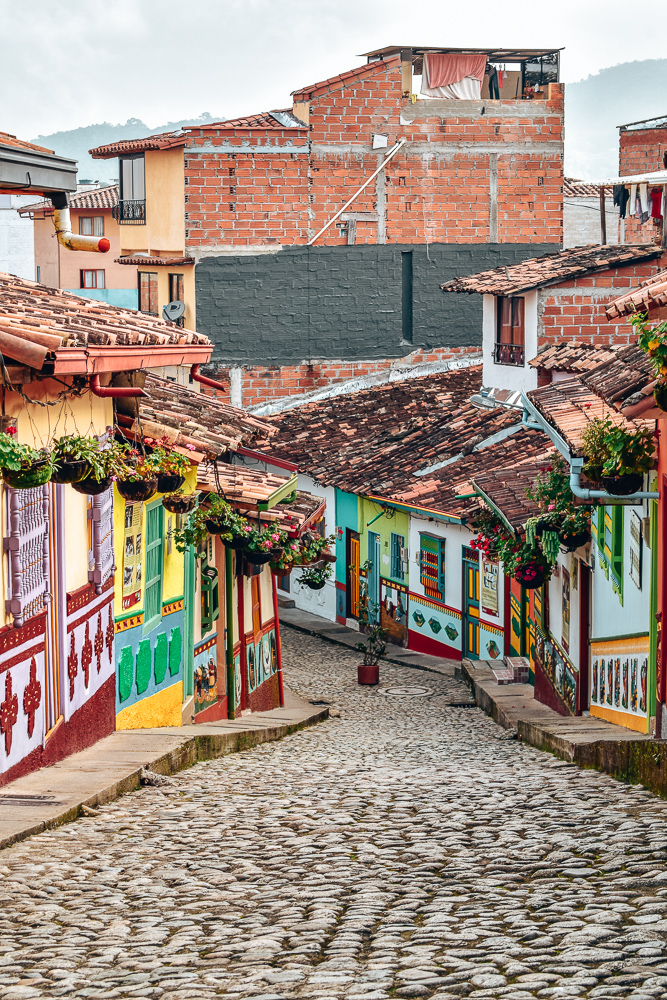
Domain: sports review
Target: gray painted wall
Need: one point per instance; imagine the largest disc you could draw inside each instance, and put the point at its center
(343, 302)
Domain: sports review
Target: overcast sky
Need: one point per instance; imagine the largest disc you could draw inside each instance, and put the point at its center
(67, 63)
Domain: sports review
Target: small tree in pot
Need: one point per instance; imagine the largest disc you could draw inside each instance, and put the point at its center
(375, 646)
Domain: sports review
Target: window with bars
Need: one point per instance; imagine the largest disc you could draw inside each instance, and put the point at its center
(100, 514)
(432, 565)
(397, 556)
(27, 546)
(153, 571)
(510, 331)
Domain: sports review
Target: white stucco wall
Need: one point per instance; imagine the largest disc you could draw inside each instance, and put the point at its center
(497, 376)
(317, 602)
(17, 243)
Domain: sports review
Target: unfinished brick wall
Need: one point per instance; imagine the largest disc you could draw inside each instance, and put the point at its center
(575, 312)
(262, 384)
(641, 151)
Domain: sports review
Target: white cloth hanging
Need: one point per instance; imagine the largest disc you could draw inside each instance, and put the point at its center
(467, 89)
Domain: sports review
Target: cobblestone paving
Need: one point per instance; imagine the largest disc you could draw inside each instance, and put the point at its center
(406, 849)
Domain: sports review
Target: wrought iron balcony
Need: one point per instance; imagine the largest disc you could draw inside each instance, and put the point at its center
(509, 354)
(130, 213)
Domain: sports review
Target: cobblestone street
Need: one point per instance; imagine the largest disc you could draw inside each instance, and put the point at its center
(408, 848)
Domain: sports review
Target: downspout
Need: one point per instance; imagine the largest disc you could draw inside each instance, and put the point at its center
(61, 220)
(204, 380)
(114, 391)
(576, 465)
(229, 650)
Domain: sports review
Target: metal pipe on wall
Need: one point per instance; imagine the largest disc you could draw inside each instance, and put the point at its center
(63, 225)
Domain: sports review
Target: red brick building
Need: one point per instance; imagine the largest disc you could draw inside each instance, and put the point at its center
(642, 151)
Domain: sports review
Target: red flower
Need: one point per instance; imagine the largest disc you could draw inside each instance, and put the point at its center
(11, 431)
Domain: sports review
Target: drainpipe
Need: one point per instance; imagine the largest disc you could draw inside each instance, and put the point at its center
(229, 649)
(61, 220)
(576, 465)
(203, 380)
(115, 391)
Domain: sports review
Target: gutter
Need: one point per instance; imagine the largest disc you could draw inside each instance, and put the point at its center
(63, 225)
(408, 508)
(114, 391)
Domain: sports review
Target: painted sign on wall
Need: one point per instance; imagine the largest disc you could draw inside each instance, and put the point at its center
(489, 587)
(132, 559)
(206, 674)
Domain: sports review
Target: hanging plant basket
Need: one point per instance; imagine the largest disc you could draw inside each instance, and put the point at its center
(315, 584)
(660, 395)
(530, 576)
(238, 543)
(329, 557)
(277, 552)
(179, 504)
(259, 558)
(571, 542)
(214, 526)
(281, 571)
(29, 478)
(137, 490)
(91, 486)
(70, 472)
(167, 483)
(623, 486)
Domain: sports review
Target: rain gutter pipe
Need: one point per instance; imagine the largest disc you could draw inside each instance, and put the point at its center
(62, 222)
(114, 391)
(533, 419)
(204, 380)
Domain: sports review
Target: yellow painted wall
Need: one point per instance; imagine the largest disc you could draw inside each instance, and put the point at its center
(163, 273)
(164, 231)
(164, 708)
(77, 539)
(119, 541)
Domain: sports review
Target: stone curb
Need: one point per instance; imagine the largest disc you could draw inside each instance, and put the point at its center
(191, 750)
(634, 759)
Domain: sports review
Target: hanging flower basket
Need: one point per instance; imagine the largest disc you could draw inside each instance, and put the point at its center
(91, 486)
(167, 483)
(70, 472)
(570, 542)
(530, 575)
(238, 543)
(277, 552)
(329, 557)
(623, 486)
(315, 584)
(137, 490)
(215, 526)
(178, 503)
(36, 474)
(278, 570)
(259, 558)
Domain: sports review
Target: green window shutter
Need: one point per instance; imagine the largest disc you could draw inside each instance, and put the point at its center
(397, 543)
(160, 658)
(125, 671)
(174, 651)
(432, 565)
(210, 602)
(599, 526)
(616, 560)
(153, 570)
(441, 568)
(143, 674)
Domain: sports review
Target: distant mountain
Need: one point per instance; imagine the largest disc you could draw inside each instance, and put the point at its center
(596, 106)
(76, 143)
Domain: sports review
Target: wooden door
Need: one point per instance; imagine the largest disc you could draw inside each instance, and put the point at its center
(470, 610)
(353, 564)
(256, 607)
(374, 576)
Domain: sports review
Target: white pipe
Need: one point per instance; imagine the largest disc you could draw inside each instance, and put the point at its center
(401, 142)
(63, 225)
(585, 494)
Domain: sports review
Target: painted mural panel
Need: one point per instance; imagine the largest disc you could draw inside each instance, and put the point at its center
(261, 657)
(206, 674)
(22, 706)
(435, 621)
(90, 649)
(619, 681)
(491, 641)
(394, 610)
(489, 587)
(149, 669)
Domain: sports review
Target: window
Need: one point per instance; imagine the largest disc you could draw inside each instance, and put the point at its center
(91, 225)
(432, 565)
(398, 556)
(510, 331)
(92, 279)
(132, 179)
(148, 292)
(176, 294)
(153, 573)
(617, 549)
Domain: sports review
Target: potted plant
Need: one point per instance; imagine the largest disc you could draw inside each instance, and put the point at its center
(169, 466)
(109, 462)
(631, 454)
(192, 532)
(140, 480)
(23, 467)
(575, 529)
(315, 577)
(260, 545)
(530, 567)
(374, 646)
(595, 449)
(285, 564)
(74, 458)
(180, 503)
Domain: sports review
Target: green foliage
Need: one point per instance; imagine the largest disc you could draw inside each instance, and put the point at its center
(375, 646)
(551, 489)
(314, 574)
(75, 448)
(14, 455)
(312, 545)
(494, 539)
(611, 450)
(652, 340)
(165, 462)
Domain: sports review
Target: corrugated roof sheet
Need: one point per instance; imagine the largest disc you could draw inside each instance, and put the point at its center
(649, 295)
(552, 269)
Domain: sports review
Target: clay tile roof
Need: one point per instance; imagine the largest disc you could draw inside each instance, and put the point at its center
(335, 82)
(570, 405)
(164, 140)
(572, 357)
(6, 139)
(155, 261)
(41, 319)
(280, 119)
(238, 485)
(649, 295)
(581, 189)
(552, 269)
(99, 199)
(506, 489)
(626, 382)
(194, 418)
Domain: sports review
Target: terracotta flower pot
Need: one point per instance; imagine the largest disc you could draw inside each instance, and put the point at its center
(329, 557)
(623, 486)
(92, 487)
(35, 475)
(70, 472)
(167, 483)
(368, 674)
(179, 504)
(137, 490)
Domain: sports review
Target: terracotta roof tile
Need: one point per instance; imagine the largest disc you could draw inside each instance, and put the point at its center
(506, 488)
(572, 357)
(155, 261)
(99, 198)
(280, 119)
(164, 140)
(552, 269)
(7, 139)
(244, 488)
(581, 189)
(650, 294)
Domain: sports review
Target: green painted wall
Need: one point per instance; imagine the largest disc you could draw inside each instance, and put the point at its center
(384, 526)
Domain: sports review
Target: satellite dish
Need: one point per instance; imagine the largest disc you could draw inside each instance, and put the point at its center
(173, 310)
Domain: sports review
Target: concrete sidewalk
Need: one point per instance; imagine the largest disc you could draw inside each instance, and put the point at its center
(304, 621)
(589, 742)
(111, 767)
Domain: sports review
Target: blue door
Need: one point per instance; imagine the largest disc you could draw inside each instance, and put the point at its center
(373, 574)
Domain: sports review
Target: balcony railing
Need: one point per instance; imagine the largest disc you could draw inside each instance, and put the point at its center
(130, 213)
(509, 354)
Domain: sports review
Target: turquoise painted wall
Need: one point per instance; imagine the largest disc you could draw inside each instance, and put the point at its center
(347, 516)
(125, 298)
